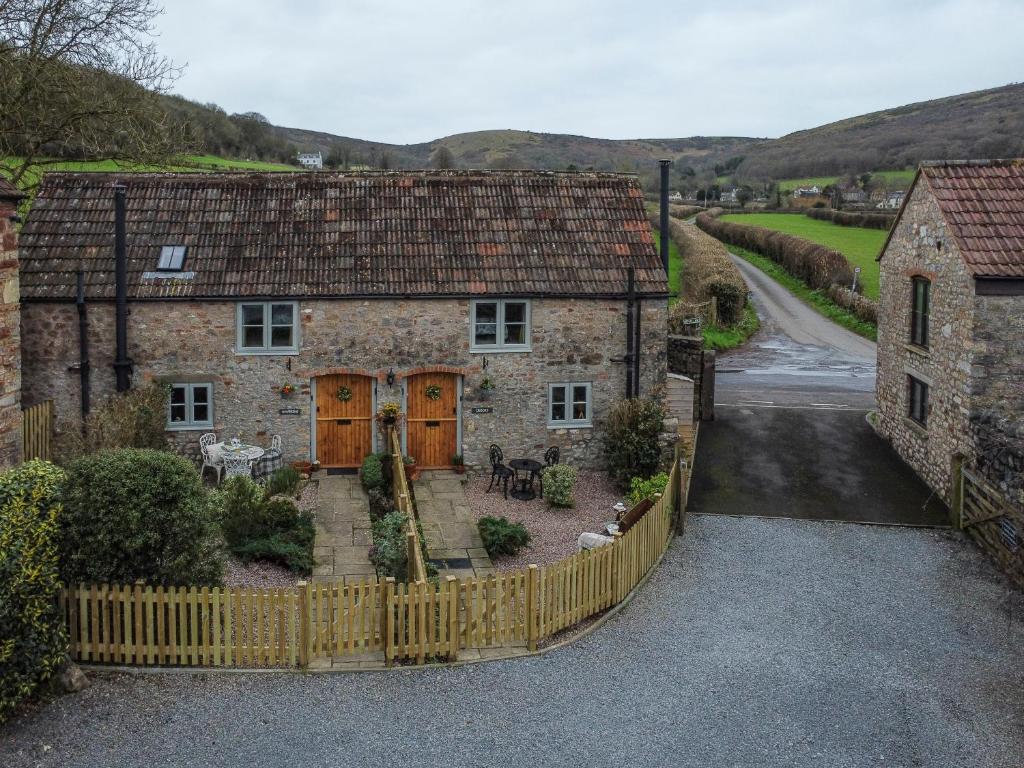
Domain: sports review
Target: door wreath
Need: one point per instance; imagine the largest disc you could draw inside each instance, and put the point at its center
(344, 394)
(433, 392)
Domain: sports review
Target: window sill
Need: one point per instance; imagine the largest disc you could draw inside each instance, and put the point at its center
(915, 427)
(918, 350)
(265, 352)
(493, 350)
(571, 425)
(189, 428)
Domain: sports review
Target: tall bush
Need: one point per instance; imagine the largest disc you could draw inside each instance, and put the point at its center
(138, 514)
(631, 439)
(33, 639)
(133, 419)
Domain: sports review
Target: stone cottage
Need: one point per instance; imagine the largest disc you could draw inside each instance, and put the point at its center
(10, 331)
(951, 324)
(492, 306)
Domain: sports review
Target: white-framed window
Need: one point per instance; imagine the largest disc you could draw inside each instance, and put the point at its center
(172, 258)
(499, 325)
(190, 406)
(570, 404)
(268, 327)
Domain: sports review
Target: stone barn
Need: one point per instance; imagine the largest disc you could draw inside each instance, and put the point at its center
(951, 324)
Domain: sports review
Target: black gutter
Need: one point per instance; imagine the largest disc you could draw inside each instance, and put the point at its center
(122, 365)
(354, 296)
(83, 344)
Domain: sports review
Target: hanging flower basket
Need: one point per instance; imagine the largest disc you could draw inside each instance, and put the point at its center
(287, 390)
(433, 392)
(344, 394)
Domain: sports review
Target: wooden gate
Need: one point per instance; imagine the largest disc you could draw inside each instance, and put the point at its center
(432, 424)
(995, 523)
(344, 419)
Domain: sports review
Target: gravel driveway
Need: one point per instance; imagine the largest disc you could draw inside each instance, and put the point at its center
(757, 643)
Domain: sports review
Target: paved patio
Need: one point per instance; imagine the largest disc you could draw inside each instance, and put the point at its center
(342, 530)
(453, 542)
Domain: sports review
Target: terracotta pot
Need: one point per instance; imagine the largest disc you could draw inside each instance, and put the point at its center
(303, 467)
(460, 469)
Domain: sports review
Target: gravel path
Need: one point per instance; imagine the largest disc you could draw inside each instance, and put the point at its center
(757, 643)
(553, 531)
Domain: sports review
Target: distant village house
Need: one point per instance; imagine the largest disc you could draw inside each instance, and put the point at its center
(314, 161)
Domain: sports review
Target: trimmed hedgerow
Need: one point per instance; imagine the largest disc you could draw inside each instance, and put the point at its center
(631, 439)
(33, 639)
(852, 218)
(138, 514)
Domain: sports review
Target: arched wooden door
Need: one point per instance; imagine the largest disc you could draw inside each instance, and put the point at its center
(344, 419)
(432, 418)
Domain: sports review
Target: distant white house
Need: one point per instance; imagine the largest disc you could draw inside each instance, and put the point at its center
(728, 195)
(893, 200)
(675, 197)
(807, 191)
(312, 160)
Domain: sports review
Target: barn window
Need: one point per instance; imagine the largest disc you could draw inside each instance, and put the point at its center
(268, 327)
(190, 406)
(569, 405)
(918, 401)
(502, 325)
(920, 309)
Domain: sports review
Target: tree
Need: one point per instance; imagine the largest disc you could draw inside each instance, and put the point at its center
(442, 158)
(82, 79)
(744, 195)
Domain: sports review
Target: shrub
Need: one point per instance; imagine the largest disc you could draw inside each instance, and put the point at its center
(502, 537)
(559, 484)
(730, 300)
(631, 439)
(258, 528)
(133, 419)
(33, 640)
(640, 488)
(371, 474)
(138, 514)
(284, 482)
(389, 553)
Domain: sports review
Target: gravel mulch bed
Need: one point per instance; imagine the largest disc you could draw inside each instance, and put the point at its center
(553, 531)
(269, 575)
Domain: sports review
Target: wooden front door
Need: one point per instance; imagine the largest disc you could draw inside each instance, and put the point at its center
(432, 425)
(344, 427)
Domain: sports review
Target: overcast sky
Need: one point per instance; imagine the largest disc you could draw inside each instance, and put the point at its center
(407, 71)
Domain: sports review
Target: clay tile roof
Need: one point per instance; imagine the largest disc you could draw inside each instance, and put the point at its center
(425, 233)
(983, 204)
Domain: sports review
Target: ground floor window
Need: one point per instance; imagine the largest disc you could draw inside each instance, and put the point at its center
(190, 407)
(569, 404)
(918, 408)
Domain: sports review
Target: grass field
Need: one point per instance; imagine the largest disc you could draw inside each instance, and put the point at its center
(860, 246)
(187, 163)
(675, 266)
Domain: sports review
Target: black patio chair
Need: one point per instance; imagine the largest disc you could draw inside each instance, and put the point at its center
(499, 472)
(551, 455)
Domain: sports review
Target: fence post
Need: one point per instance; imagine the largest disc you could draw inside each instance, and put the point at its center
(453, 617)
(956, 493)
(304, 623)
(618, 578)
(389, 621)
(532, 608)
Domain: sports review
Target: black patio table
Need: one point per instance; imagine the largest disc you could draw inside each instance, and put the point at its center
(526, 471)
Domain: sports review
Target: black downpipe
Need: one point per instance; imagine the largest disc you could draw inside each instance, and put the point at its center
(83, 344)
(636, 350)
(664, 213)
(630, 298)
(122, 365)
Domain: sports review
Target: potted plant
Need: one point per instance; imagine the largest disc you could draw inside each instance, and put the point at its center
(459, 464)
(486, 387)
(302, 467)
(388, 415)
(410, 467)
(287, 390)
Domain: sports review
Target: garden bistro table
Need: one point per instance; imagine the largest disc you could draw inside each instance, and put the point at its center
(526, 471)
(238, 459)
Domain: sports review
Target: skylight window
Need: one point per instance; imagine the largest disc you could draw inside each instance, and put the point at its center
(172, 258)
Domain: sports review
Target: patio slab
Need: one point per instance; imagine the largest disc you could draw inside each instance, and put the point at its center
(449, 527)
(342, 530)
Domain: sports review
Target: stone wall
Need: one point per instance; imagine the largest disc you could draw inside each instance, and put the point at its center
(686, 358)
(10, 330)
(920, 245)
(572, 340)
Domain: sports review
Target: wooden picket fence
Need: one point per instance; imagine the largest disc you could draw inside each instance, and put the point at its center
(417, 568)
(37, 431)
(419, 621)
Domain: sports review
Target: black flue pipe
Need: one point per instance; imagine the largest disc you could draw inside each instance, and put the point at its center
(122, 365)
(630, 298)
(83, 344)
(663, 237)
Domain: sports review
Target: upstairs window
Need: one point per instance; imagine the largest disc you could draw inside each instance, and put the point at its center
(569, 405)
(500, 325)
(172, 258)
(920, 308)
(917, 408)
(268, 327)
(190, 406)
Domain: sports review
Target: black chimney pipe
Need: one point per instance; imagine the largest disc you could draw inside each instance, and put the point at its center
(122, 365)
(630, 297)
(83, 344)
(664, 236)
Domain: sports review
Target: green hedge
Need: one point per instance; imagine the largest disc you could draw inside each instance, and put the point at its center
(270, 529)
(33, 639)
(631, 439)
(136, 514)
